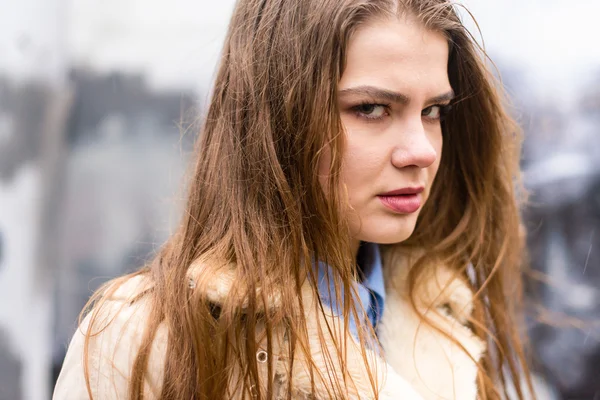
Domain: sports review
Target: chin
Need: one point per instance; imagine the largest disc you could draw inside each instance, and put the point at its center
(389, 232)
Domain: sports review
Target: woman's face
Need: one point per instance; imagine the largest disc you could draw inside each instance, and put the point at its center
(392, 94)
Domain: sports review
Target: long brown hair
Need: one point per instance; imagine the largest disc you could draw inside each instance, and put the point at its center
(255, 199)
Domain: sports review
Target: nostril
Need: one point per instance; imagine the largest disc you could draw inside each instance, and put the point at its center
(421, 156)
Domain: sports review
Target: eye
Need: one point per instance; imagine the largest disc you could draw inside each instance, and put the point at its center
(371, 111)
(436, 112)
(432, 112)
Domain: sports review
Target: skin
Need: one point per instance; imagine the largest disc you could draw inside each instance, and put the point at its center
(393, 142)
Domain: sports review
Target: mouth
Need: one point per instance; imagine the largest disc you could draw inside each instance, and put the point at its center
(402, 201)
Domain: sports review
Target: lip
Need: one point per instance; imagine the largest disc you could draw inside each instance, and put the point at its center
(403, 191)
(402, 201)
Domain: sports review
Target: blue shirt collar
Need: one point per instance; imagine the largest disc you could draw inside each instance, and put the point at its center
(371, 289)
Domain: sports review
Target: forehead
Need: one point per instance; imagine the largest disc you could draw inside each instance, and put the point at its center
(399, 54)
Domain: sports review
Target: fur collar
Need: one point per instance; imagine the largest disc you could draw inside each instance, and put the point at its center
(418, 358)
(438, 367)
(420, 363)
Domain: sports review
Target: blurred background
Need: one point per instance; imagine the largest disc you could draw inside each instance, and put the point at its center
(98, 102)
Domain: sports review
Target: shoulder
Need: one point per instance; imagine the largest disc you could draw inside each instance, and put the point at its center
(114, 329)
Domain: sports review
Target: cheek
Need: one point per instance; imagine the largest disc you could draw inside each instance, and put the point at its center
(439, 146)
(361, 162)
(437, 143)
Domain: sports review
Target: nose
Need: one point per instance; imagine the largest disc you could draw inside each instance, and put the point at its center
(414, 147)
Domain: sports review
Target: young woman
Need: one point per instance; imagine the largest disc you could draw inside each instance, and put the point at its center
(351, 232)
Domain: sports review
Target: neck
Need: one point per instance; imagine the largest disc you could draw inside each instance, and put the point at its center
(355, 245)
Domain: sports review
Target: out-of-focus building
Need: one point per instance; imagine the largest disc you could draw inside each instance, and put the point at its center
(34, 99)
(562, 172)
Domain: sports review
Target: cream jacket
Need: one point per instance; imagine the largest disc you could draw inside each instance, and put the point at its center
(420, 362)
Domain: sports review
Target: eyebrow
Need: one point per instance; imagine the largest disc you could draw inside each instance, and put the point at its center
(394, 97)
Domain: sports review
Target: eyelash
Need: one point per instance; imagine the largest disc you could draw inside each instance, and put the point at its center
(357, 110)
(444, 111)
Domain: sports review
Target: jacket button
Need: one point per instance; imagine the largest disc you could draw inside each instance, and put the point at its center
(262, 356)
